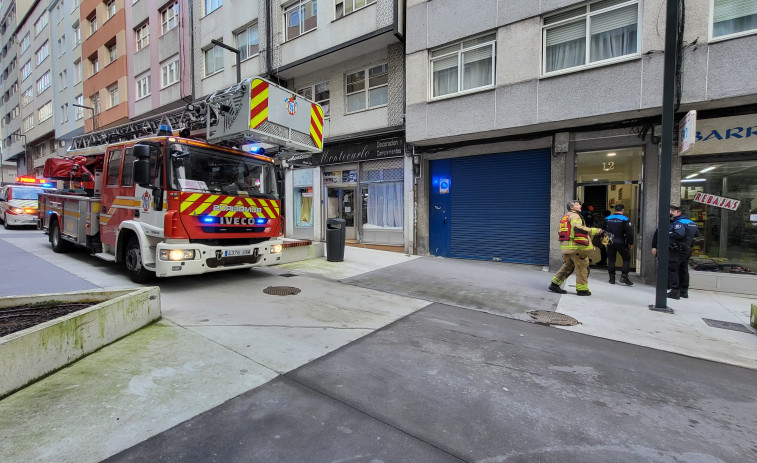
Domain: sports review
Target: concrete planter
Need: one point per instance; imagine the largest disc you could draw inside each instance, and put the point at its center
(30, 354)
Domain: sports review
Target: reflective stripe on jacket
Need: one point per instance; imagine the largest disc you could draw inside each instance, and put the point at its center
(577, 224)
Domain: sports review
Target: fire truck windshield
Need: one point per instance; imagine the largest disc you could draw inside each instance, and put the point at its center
(200, 169)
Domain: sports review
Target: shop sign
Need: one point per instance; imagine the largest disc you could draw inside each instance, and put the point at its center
(352, 152)
(725, 135)
(687, 131)
(717, 201)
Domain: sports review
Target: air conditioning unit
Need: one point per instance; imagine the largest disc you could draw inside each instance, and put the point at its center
(62, 143)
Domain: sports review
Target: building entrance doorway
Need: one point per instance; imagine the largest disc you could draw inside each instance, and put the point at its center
(340, 204)
(605, 179)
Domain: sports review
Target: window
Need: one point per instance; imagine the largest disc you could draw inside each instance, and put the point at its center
(45, 112)
(169, 73)
(212, 5)
(26, 70)
(114, 167)
(43, 82)
(79, 112)
(143, 36)
(113, 96)
(25, 43)
(318, 93)
(94, 65)
(39, 26)
(64, 113)
(143, 86)
(92, 25)
(361, 96)
(28, 123)
(127, 177)
(43, 52)
(63, 77)
(169, 17)
(247, 42)
(77, 35)
(610, 25)
(730, 17)
(27, 96)
(344, 7)
(62, 45)
(111, 8)
(464, 66)
(95, 103)
(77, 71)
(300, 17)
(213, 60)
(112, 53)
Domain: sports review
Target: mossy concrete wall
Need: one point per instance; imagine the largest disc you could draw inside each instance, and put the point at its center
(30, 354)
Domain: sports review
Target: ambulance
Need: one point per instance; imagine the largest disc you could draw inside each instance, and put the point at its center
(19, 201)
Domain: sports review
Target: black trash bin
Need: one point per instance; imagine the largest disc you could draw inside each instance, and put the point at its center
(335, 236)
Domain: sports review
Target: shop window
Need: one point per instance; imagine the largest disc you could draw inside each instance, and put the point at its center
(727, 240)
(382, 193)
(302, 180)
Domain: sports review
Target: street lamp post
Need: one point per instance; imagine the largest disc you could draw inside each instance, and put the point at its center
(233, 50)
(94, 121)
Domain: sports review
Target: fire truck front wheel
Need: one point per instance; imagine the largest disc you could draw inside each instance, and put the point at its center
(133, 259)
(56, 240)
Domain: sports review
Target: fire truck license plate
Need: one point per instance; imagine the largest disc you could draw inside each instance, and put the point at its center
(237, 252)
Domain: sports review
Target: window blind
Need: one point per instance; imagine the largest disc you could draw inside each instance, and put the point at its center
(616, 19)
(726, 10)
(566, 33)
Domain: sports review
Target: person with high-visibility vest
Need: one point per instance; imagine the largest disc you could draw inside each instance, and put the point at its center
(575, 242)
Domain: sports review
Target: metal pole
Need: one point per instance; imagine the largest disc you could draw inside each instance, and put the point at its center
(666, 152)
(94, 123)
(233, 50)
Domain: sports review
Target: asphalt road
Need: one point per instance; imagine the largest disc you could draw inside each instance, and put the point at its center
(447, 382)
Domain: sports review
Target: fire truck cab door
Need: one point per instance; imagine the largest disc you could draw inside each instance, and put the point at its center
(148, 214)
(117, 201)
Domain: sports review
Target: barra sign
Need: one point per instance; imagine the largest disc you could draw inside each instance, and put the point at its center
(717, 201)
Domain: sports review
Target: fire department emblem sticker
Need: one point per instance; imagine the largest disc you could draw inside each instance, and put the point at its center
(291, 105)
(146, 201)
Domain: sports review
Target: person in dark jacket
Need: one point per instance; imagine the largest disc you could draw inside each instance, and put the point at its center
(681, 233)
(622, 243)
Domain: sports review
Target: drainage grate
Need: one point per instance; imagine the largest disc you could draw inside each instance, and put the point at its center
(727, 325)
(287, 275)
(546, 317)
(281, 290)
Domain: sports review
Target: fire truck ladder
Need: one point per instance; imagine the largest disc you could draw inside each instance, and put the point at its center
(194, 116)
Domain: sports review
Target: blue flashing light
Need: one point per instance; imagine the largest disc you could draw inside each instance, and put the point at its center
(257, 149)
(47, 185)
(260, 221)
(164, 129)
(208, 219)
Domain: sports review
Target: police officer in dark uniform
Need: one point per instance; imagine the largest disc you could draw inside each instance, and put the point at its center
(622, 243)
(681, 233)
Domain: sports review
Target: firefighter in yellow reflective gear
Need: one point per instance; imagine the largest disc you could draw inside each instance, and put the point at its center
(575, 242)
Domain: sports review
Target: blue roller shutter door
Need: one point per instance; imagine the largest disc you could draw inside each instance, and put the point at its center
(499, 207)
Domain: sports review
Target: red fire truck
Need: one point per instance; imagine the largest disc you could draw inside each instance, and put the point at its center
(170, 204)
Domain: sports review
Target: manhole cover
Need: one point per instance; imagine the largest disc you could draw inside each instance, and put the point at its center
(727, 325)
(545, 317)
(287, 275)
(281, 290)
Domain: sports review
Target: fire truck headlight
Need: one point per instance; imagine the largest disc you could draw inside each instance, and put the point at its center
(17, 210)
(276, 249)
(176, 254)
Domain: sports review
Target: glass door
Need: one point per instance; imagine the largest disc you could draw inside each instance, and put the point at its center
(340, 203)
(605, 179)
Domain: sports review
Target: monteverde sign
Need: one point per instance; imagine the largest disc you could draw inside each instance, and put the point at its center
(352, 152)
(732, 134)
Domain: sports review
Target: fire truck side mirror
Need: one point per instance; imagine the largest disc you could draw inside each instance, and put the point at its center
(142, 164)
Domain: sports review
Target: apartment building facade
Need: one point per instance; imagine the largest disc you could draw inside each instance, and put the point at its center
(348, 57)
(36, 92)
(159, 46)
(525, 105)
(11, 146)
(67, 73)
(105, 87)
